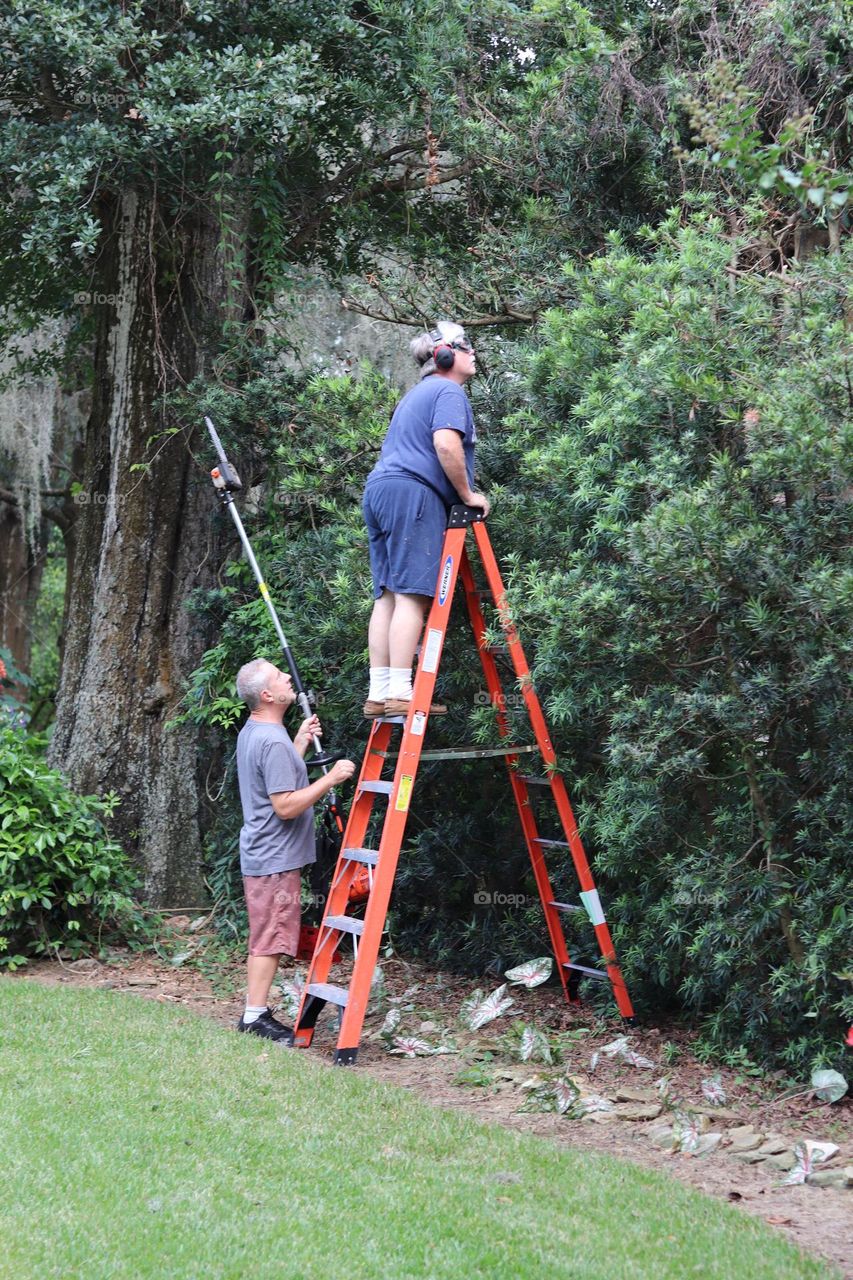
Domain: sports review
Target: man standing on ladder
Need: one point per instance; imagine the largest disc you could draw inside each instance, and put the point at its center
(277, 837)
(425, 467)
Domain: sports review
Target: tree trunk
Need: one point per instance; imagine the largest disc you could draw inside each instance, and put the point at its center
(143, 543)
(20, 576)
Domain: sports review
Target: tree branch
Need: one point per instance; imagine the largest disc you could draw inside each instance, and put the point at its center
(404, 183)
(508, 316)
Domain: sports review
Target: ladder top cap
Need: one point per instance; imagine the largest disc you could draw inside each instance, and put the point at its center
(461, 516)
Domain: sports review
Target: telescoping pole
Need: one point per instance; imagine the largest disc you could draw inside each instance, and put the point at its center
(226, 481)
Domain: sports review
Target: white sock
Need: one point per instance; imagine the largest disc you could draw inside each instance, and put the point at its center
(253, 1012)
(400, 683)
(378, 684)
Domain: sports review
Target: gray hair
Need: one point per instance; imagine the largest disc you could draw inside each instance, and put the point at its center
(252, 679)
(424, 345)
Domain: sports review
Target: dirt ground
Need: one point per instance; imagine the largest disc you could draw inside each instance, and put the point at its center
(818, 1219)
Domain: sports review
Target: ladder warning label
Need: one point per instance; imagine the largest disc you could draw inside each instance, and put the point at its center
(418, 722)
(404, 792)
(431, 650)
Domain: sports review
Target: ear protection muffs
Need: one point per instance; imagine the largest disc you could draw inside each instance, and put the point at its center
(443, 354)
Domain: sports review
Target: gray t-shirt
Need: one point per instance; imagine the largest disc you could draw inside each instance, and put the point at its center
(267, 762)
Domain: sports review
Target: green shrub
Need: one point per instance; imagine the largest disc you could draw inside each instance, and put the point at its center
(688, 450)
(63, 882)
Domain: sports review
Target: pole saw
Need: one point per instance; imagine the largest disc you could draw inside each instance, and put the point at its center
(226, 482)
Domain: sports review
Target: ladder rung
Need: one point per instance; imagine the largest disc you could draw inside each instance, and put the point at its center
(328, 991)
(369, 857)
(468, 753)
(346, 924)
(553, 844)
(381, 788)
(533, 782)
(590, 973)
(565, 906)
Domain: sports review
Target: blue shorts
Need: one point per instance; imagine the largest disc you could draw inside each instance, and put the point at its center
(405, 522)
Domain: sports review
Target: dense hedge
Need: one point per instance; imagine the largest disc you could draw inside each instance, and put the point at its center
(688, 449)
(672, 500)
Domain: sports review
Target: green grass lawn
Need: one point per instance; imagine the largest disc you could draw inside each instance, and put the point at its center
(140, 1141)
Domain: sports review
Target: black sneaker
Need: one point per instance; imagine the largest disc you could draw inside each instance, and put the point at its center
(268, 1027)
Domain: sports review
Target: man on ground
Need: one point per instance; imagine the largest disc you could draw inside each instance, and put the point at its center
(277, 837)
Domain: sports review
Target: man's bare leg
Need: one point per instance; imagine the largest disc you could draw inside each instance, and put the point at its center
(407, 624)
(380, 626)
(261, 971)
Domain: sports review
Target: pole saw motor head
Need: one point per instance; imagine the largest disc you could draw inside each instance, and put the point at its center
(224, 477)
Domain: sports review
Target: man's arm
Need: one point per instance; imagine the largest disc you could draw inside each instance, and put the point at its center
(289, 804)
(451, 455)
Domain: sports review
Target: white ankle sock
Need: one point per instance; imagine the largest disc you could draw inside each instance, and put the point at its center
(252, 1013)
(400, 682)
(378, 684)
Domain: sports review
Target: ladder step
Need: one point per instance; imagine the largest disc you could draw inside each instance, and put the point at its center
(328, 991)
(534, 782)
(553, 844)
(369, 857)
(590, 973)
(468, 753)
(346, 924)
(565, 906)
(381, 788)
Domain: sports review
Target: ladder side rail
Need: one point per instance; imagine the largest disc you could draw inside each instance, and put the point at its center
(478, 626)
(591, 899)
(338, 897)
(360, 810)
(549, 757)
(516, 652)
(520, 792)
(400, 798)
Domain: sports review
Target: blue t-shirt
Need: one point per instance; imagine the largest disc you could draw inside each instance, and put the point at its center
(268, 762)
(432, 405)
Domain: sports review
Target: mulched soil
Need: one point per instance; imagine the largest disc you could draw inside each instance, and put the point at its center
(818, 1219)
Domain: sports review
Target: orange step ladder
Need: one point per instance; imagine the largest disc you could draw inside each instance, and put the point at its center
(365, 930)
